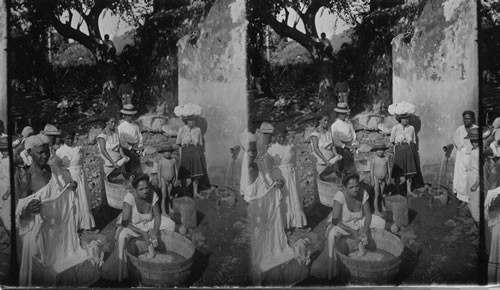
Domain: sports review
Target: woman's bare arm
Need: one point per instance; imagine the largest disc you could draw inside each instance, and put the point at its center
(157, 219)
(102, 147)
(127, 216)
(315, 142)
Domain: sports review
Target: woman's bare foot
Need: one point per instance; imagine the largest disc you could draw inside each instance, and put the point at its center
(198, 196)
(412, 194)
(378, 213)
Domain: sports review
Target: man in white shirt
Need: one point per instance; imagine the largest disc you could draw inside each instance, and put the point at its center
(130, 139)
(462, 158)
(344, 138)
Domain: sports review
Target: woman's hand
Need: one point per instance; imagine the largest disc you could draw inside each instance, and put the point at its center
(32, 208)
(72, 185)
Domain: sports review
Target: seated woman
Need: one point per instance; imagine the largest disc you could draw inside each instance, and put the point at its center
(111, 151)
(351, 215)
(140, 217)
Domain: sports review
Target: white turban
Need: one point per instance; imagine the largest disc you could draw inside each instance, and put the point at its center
(27, 131)
(496, 123)
(34, 141)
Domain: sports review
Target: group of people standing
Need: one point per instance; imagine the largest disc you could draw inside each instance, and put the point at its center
(270, 186)
(466, 183)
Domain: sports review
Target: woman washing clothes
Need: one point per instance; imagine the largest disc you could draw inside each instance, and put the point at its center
(322, 146)
(284, 158)
(351, 215)
(189, 139)
(140, 217)
(110, 149)
(403, 137)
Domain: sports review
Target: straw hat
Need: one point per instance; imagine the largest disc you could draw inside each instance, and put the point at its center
(402, 116)
(50, 130)
(342, 108)
(4, 143)
(128, 109)
(190, 117)
(167, 148)
(266, 128)
(473, 134)
(379, 146)
(149, 150)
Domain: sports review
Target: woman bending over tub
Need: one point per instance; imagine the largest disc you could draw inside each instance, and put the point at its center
(140, 217)
(350, 216)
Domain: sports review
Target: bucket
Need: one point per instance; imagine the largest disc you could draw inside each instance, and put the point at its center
(157, 274)
(398, 205)
(185, 211)
(327, 189)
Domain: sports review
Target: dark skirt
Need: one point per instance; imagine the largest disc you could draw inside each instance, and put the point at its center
(404, 161)
(191, 162)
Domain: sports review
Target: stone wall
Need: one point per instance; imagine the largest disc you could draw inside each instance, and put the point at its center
(212, 74)
(437, 70)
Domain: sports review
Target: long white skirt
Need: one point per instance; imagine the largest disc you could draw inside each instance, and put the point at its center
(84, 216)
(293, 207)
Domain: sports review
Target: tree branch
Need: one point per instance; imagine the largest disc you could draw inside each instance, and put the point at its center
(282, 28)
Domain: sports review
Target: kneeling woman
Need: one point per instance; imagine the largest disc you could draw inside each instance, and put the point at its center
(351, 215)
(140, 217)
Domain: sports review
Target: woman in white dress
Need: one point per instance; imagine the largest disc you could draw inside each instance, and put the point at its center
(71, 157)
(351, 215)
(111, 151)
(141, 217)
(268, 238)
(284, 159)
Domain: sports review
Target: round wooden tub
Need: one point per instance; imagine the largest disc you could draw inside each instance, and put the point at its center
(157, 274)
(327, 188)
(371, 272)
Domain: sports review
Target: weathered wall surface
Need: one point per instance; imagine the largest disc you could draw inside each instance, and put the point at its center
(212, 74)
(438, 71)
(3, 62)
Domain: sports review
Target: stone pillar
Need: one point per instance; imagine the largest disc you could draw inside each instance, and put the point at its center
(212, 74)
(437, 70)
(3, 62)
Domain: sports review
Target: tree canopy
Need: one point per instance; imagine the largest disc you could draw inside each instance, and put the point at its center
(71, 17)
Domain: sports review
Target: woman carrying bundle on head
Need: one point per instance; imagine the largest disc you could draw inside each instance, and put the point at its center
(190, 141)
(403, 137)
